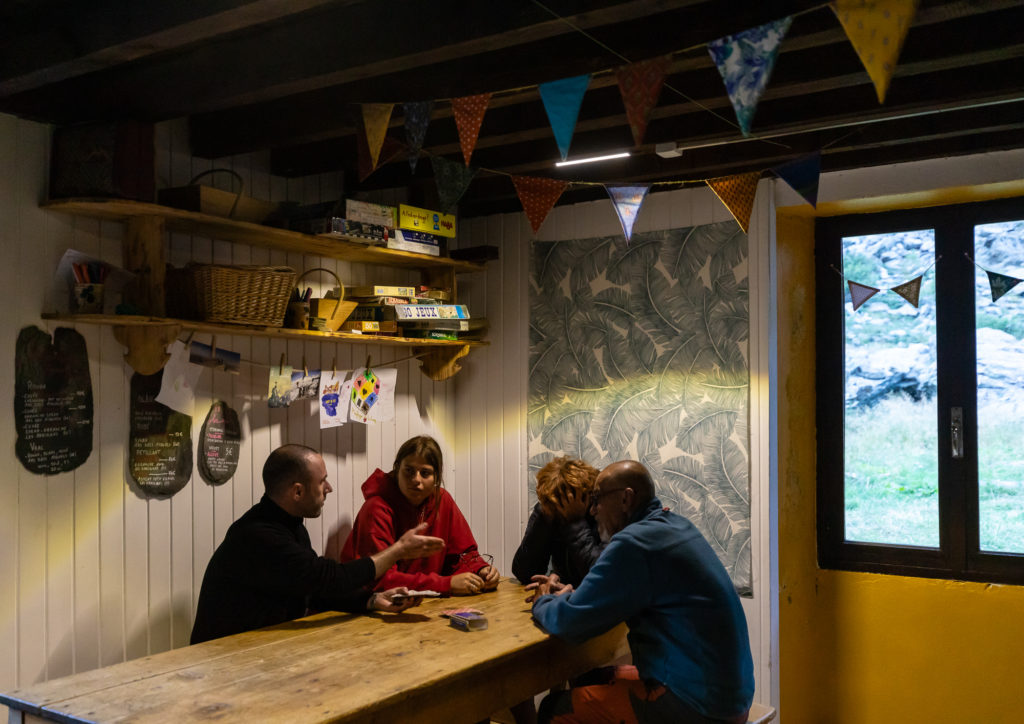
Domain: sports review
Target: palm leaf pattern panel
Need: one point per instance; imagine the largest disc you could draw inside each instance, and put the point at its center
(640, 351)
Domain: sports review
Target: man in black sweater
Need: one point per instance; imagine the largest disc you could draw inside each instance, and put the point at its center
(266, 572)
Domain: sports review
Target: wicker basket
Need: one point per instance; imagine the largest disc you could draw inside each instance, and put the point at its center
(242, 294)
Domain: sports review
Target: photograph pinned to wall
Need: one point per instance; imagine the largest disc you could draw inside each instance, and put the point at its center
(335, 389)
(178, 386)
(373, 395)
(279, 386)
(305, 384)
(206, 355)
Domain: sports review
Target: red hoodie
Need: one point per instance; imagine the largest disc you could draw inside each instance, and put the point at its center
(386, 515)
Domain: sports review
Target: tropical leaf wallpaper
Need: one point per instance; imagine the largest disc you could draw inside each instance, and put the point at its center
(640, 351)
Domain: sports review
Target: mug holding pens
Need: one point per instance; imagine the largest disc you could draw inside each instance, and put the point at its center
(87, 295)
(298, 309)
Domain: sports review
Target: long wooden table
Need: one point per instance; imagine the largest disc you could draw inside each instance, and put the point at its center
(334, 667)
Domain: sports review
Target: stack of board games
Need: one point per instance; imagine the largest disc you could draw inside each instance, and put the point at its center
(409, 311)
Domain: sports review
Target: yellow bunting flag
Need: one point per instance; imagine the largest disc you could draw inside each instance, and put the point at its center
(538, 196)
(469, 114)
(876, 30)
(375, 119)
(737, 193)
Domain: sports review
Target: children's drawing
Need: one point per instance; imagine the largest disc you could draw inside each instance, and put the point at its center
(373, 395)
(334, 391)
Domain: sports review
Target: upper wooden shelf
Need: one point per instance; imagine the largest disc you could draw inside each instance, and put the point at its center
(193, 222)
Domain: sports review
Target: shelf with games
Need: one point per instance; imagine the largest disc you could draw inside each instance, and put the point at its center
(146, 335)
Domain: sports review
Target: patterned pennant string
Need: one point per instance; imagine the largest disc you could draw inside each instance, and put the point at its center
(745, 61)
(1000, 284)
(737, 193)
(802, 174)
(389, 150)
(860, 293)
(911, 291)
(417, 118)
(627, 201)
(469, 114)
(452, 181)
(538, 197)
(640, 85)
(375, 119)
(562, 100)
(876, 30)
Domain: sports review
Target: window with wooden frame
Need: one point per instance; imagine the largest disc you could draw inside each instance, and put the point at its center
(920, 391)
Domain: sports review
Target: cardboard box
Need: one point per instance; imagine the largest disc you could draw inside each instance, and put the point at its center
(432, 222)
(379, 214)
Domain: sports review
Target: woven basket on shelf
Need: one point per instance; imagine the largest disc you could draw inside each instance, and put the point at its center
(242, 294)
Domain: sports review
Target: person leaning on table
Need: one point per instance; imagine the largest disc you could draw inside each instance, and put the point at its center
(687, 632)
(266, 572)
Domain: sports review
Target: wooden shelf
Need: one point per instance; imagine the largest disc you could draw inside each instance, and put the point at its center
(193, 222)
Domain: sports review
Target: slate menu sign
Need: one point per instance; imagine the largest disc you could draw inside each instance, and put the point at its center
(219, 443)
(159, 440)
(53, 412)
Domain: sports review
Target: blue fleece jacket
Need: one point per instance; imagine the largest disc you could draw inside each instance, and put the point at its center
(686, 625)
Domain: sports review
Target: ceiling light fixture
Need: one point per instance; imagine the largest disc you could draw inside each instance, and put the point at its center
(592, 159)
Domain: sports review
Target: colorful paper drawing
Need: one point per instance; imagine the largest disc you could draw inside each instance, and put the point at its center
(372, 398)
(279, 386)
(335, 388)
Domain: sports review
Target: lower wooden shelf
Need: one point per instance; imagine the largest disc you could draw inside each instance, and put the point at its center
(147, 337)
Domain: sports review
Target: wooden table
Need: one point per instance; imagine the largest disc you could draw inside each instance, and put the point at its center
(333, 667)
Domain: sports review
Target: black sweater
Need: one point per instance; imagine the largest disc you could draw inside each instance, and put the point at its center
(570, 547)
(266, 572)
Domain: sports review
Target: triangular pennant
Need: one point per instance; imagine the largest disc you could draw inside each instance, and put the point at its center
(860, 293)
(911, 291)
(1001, 283)
(745, 61)
(538, 196)
(469, 114)
(562, 100)
(389, 150)
(375, 120)
(452, 181)
(737, 193)
(417, 118)
(640, 85)
(802, 175)
(876, 29)
(627, 201)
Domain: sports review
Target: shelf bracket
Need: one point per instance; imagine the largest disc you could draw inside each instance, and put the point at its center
(147, 346)
(440, 363)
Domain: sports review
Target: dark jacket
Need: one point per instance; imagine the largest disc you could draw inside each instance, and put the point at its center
(266, 572)
(570, 548)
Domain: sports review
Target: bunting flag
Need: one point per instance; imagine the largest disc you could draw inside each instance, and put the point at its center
(745, 61)
(802, 174)
(538, 197)
(876, 30)
(452, 181)
(737, 193)
(627, 201)
(469, 114)
(911, 291)
(375, 120)
(417, 118)
(1001, 283)
(640, 85)
(562, 100)
(390, 149)
(860, 293)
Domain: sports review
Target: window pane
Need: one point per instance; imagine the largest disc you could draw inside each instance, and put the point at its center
(890, 438)
(999, 248)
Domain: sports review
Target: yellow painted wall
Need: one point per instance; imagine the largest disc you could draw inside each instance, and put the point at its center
(858, 648)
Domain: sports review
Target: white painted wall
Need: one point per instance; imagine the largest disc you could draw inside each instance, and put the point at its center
(93, 574)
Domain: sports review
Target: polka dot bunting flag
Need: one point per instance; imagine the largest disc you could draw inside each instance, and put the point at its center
(876, 30)
(737, 193)
(640, 85)
(538, 196)
(469, 114)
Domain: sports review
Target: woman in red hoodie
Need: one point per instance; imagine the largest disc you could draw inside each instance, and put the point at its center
(411, 494)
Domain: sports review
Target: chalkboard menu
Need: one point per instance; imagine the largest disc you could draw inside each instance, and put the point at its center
(219, 443)
(52, 400)
(159, 440)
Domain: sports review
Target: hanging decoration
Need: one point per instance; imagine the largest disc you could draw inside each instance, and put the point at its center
(1000, 284)
(452, 181)
(737, 193)
(390, 149)
(562, 100)
(417, 118)
(801, 175)
(469, 114)
(745, 61)
(640, 85)
(627, 201)
(911, 291)
(860, 293)
(876, 29)
(376, 117)
(538, 197)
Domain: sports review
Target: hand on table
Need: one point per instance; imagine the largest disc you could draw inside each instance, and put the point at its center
(384, 600)
(490, 576)
(467, 584)
(543, 585)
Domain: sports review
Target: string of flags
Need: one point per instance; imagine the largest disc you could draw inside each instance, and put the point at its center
(876, 30)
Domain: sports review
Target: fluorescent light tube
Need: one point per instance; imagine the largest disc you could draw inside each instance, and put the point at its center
(592, 159)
